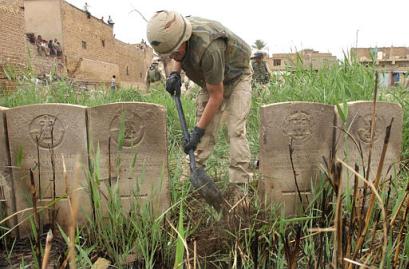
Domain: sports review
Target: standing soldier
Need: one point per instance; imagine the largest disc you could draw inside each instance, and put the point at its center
(154, 75)
(261, 73)
(113, 84)
(218, 61)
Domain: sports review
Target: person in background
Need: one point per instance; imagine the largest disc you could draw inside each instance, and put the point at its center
(51, 48)
(154, 75)
(86, 9)
(113, 84)
(110, 21)
(261, 73)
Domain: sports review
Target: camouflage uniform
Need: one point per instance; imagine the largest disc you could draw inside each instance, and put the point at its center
(153, 75)
(261, 74)
(215, 54)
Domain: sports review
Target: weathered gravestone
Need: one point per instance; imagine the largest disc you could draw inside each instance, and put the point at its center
(132, 141)
(6, 204)
(358, 125)
(39, 135)
(309, 127)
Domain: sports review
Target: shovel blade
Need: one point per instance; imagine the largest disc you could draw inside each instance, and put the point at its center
(206, 188)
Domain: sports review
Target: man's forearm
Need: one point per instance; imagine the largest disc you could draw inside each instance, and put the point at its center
(213, 104)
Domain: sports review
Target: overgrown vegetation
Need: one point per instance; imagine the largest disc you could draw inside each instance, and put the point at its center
(193, 234)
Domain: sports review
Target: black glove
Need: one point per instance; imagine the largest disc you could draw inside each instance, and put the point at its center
(195, 137)
(173, 83)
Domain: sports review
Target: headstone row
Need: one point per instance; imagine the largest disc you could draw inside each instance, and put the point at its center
(124, 143)
(298, 139)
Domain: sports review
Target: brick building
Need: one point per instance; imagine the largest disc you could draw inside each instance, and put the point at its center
(308, 58)
(392, 63)
(12, 43)
(90, 51)
(16, 53)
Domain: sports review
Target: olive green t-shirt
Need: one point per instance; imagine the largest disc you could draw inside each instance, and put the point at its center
(212, 63)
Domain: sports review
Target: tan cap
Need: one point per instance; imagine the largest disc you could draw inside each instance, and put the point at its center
(167, 30)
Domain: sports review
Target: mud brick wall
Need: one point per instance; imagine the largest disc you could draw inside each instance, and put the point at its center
(92, 39)
(12, 43)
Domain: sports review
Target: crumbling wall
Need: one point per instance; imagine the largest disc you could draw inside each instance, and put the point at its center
(42, 64)
(43, 17)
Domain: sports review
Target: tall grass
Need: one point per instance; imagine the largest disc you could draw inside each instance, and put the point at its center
(251, 239)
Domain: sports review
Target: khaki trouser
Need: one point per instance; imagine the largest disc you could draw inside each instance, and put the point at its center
(234, 112)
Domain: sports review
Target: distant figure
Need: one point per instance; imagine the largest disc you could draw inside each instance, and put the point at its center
(154, 75)
(44, 47)
(86, 9)
(51, 48)
(113, 83)
(102, 18)
(31, 37)
(261, 73)
(38, 42)
(110, 21)
(57, 46)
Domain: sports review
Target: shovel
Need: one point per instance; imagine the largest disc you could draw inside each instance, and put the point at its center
(198, 176)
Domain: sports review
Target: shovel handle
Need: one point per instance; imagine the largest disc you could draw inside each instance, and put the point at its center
(186, 135)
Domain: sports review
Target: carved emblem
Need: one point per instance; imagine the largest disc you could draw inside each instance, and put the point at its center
(363, 129)
(48, 129)
(298, 126)
(133, 128)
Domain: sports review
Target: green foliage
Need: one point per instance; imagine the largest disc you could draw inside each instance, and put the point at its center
(180, 248)
(259, 44)
(140, 234)
(117, 233)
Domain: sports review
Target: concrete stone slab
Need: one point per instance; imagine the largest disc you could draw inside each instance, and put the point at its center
(139, 162)
(39, 135)
(310, 127)
(358, 126)
(6, 201)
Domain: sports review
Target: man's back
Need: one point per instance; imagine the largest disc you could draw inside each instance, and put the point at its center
(208, 38)
(260, 72)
